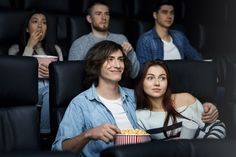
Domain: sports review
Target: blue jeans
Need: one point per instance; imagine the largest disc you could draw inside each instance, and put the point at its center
(43, 101)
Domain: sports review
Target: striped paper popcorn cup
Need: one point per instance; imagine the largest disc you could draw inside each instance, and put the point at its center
(122, 139)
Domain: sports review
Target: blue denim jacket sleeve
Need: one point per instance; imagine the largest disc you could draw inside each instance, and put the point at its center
(69, 126)
(140, 48)
(185, 48)
(148, 48)
(192, 53)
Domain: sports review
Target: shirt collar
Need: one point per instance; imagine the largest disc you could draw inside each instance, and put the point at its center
(92, 94)
(108, 34)
(155, 34)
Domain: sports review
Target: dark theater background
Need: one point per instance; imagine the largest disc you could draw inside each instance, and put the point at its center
(210, 26)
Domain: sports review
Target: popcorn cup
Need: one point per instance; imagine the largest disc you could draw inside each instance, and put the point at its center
(123, 139)
(45, 59)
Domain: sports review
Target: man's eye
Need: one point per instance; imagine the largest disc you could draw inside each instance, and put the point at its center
(121, 59)
(97, 13)
(109, 59)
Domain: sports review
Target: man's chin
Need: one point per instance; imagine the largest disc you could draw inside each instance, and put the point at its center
(101, 29)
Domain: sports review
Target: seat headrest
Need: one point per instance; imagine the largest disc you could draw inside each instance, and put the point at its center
(196, 77)
(66, 81)
(18, 80)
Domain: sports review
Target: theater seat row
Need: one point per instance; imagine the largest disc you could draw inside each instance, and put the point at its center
(209, 26)
(131, 18)
(19, 114)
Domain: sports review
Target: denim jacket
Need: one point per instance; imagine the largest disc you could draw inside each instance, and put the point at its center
(86, 111)
(150, 46)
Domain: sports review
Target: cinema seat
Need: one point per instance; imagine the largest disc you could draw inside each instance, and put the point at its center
(66, 81)
(19, 116)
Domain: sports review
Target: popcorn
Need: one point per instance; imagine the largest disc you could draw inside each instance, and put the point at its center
(134, 131)
(132, 136)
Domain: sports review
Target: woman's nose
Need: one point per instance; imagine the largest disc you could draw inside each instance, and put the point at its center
(40, 24)
(156, 81)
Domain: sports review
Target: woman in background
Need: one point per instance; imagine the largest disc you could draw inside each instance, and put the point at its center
(162, 113)
(36, 40)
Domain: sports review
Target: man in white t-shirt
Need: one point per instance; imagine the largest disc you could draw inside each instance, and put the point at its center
(161, 42)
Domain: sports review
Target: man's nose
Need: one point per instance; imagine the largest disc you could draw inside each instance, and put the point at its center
(116, 63)
(104, 16)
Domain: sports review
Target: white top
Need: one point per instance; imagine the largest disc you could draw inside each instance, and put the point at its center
(171, 52)
(155, 120)
(118, 112)
(14, 49)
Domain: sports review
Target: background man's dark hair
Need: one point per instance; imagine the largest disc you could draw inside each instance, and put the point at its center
(95, 2)
(159, 3)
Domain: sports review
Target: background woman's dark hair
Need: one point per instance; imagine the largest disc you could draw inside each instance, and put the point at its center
(48, 43)
(142, 99)
(95, 58)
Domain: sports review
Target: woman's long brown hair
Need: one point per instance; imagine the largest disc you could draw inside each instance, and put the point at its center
(143, 101)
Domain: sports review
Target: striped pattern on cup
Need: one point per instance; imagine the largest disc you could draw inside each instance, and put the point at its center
(131, 139)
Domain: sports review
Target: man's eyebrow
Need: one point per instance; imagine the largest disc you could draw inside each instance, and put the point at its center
(110, 57)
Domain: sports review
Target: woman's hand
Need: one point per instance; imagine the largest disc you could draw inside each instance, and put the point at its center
(43, 70)
(34, 38)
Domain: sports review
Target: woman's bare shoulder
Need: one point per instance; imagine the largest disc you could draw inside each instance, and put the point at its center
(183, 99)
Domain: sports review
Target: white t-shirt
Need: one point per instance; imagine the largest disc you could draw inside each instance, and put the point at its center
(118, 112)
(171, 52)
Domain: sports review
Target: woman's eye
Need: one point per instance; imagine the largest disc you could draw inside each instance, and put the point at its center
(34, 21)
(149, 78)
(162, 78)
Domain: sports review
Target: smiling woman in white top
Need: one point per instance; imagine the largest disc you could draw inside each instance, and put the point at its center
(162, 113)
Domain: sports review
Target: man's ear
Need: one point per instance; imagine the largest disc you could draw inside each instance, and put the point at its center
(154, 14)
(88, 18)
